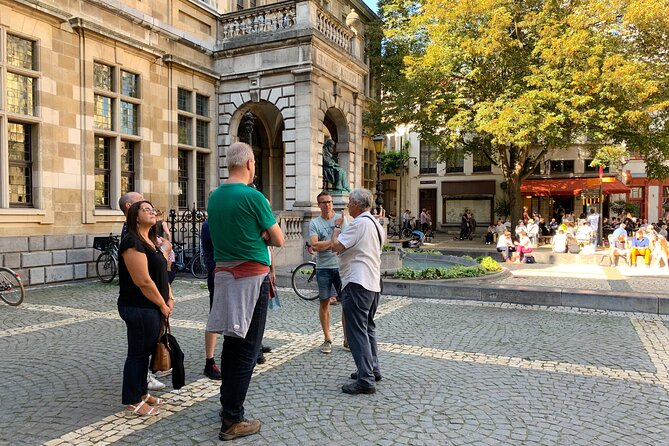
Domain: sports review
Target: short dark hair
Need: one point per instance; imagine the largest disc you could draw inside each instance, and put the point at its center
(323, 194)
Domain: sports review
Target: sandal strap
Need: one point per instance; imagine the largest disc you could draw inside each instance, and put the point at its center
(152, 411)
(138, 406)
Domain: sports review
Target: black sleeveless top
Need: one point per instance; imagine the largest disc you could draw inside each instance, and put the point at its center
(130, 294)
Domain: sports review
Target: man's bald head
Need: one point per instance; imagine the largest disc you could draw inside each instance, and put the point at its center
(128, 200)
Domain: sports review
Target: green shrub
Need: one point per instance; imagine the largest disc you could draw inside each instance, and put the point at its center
(388, 248)
(423, 251)
(490, 264)
(454, 272)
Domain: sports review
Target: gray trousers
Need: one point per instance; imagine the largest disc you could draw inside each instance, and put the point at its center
(359, 306)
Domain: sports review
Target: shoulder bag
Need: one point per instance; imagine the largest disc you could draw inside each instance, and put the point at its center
(161, 360)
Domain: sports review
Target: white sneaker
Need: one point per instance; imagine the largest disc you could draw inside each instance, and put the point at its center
(153, 383)
(163, 374)
(326, 347)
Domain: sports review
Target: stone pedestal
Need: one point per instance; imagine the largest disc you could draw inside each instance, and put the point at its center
(339, 201)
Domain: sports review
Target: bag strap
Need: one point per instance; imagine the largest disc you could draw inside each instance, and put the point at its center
(165, 329)
(377, 230)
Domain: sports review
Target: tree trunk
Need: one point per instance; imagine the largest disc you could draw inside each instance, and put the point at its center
(515, 199)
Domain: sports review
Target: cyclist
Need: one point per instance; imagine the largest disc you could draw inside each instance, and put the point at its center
(327, 263)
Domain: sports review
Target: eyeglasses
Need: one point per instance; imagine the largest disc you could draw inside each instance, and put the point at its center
(325, 202)
(151, 211)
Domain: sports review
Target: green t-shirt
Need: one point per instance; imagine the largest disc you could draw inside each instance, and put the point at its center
(237, 215)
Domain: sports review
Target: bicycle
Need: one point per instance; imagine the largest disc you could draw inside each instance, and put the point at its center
(195, 265)
(304, 280)
(11, 287)
(396, 230)
(106, 266)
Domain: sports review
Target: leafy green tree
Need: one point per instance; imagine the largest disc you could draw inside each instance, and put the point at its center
(518, 81)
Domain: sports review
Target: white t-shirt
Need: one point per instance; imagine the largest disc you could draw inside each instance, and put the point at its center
(360, 262)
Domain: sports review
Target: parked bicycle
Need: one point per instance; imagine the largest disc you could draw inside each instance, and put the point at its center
(11, 287)
(395, 229)
(195, 265)
(106, 265)
(304, 280)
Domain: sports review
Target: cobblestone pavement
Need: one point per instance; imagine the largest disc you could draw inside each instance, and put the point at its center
(454, 373)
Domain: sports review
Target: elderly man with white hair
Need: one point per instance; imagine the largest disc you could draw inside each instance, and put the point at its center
(359, 247)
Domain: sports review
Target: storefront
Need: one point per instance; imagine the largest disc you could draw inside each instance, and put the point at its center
(477, 196)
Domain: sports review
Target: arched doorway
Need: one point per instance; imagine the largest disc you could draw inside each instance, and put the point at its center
(261, 126)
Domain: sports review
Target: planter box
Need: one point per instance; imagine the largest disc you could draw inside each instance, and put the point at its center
(391, 262)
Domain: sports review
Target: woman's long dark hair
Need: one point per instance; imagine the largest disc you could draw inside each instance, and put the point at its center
(133, 214)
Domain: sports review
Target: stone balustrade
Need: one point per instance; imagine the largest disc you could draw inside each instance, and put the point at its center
(333, 30)
(285, 16)
(277, 16)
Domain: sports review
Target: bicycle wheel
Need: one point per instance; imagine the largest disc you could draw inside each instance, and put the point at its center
(106, 267)
(11, 287)
(198, 268)
(304, 281)
(406, 233)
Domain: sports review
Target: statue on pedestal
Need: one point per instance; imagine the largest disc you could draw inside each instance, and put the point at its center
(333, 172)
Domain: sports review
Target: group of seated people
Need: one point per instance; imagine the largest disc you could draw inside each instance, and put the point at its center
(515, 251)
(646, 243)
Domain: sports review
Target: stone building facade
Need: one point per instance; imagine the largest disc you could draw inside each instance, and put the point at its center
(100, 97)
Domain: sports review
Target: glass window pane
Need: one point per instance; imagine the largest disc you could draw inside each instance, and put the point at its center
(20, 94)
(202, 134)
(102, 171)
(20, 164)
(129, 117)
(183, 179)
(184, 100)
(102, 119)
(202, 105)
(129, 84)
(481, 163)
(127, 166)
(103, 77)
(185, 132)
(20, 52)
(455, 162)
(201, 181)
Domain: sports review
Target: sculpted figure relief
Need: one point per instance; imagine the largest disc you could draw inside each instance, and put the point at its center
(333, 172)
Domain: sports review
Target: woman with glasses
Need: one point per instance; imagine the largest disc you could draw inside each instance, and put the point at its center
(144, 299)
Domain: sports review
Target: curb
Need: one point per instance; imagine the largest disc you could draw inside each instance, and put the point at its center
(477, 289)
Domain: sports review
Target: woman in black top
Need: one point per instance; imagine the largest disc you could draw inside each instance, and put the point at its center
(144, 299)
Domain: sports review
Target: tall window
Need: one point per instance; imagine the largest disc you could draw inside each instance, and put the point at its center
(369, 169)
(455, 162)
(116, 121)
(481, 163)
(194, 134)
(428, 158)
(20, 85)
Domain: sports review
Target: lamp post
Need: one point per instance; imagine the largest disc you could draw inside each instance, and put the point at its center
(600, 224)
(378, 145)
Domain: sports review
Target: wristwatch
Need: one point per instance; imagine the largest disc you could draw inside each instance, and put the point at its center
(337, 226)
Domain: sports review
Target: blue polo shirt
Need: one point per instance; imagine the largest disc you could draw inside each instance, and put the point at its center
(643, 243)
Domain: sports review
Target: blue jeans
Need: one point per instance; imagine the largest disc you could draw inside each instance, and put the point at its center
(238, 360)
(359, 306)
(143, 326)
(327, 278)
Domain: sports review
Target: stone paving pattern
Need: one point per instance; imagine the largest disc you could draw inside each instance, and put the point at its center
(454, 373)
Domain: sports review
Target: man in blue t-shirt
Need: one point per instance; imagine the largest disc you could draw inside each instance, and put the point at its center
(327, 263)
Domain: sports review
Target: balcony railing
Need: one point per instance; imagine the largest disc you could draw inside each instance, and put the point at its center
(301, 14)
(267, 19)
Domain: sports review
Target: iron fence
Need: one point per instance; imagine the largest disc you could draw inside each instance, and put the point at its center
(185, 227)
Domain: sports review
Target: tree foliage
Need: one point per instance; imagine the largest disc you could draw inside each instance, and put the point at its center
(517, 81)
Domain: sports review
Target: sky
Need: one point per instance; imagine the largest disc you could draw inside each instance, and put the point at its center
(371, 4)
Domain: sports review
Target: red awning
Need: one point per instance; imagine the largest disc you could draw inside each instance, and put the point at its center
(571, 186)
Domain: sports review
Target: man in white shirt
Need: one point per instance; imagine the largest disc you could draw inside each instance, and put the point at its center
(593, 219)
(359, 246)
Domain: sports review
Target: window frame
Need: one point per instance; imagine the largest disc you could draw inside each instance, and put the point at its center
(191, 118)
(30, 122)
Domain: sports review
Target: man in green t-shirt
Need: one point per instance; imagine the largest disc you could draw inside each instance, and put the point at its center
(242, 226)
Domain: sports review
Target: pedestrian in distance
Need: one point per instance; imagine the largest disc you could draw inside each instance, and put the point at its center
(145, 297)
(359, 246)
(242, 226)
